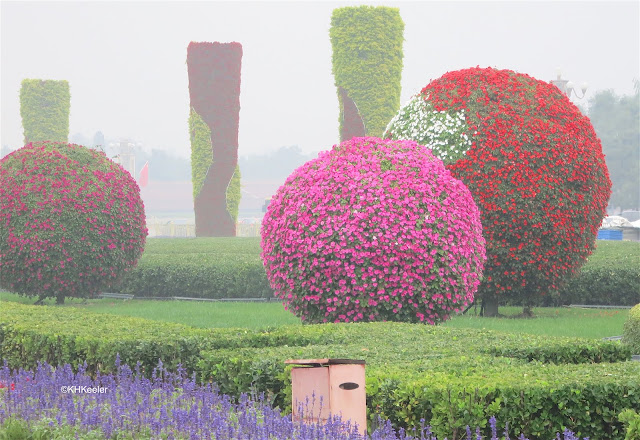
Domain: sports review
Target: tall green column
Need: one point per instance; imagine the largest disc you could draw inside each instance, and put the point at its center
(44, 108)
(367, 67)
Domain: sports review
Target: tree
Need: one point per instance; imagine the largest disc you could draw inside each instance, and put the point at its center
(616, 120)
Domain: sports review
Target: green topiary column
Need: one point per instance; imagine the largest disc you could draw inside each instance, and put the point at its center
(44, 108)
(367, 66)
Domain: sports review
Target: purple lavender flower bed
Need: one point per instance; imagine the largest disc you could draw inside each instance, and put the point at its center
(167, 406)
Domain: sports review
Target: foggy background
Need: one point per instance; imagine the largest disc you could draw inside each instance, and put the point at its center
(126, 67)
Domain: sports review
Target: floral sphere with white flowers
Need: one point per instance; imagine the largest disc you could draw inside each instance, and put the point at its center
(373, 230)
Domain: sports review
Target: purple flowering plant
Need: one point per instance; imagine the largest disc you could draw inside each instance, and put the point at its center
(71, 221)
(168, 406)
(373, 230)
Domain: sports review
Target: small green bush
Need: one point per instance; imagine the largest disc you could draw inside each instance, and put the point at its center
(631, 335)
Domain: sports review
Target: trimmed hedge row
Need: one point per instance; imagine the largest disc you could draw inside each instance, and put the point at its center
(198, 276)
(212, 268)
(600, 286)
(631, 335)
(450, 377)
(451, 391)
(609, 277)
(226, 267)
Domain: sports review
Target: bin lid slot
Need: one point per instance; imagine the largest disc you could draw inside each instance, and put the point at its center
(319, 362)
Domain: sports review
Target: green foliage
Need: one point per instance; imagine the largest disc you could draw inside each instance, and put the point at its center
(600, 286)
(560, 351)
(220, 267)
(414, 374)
(609, 277)
(201, 150)
(631, 335)
(204, 245)
(234, 194)
(19, 429)
(44, 108)
(32, 334)
(447, 376)
(615, 119)
(367, 61)
(632, 420)
(198, 276)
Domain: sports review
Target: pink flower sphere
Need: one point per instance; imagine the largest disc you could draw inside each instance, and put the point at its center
(71, 221)
(373, 230)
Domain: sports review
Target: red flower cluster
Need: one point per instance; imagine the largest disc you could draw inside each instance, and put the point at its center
(536, 171)
(71, 221)
(11, 386)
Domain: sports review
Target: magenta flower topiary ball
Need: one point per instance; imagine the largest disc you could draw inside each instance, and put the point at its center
(373, 230)
(71, 221)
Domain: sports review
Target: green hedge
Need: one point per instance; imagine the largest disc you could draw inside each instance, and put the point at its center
(211, 268)
(220, 267)
(447, 376)
(212, 276)
(426, 376)
(44, 108)
(609, 277)
(367, 62)
(631, 335)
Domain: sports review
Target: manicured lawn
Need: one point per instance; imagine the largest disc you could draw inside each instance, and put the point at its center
(586, 323)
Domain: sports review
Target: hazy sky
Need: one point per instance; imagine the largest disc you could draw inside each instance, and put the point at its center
(126, 61)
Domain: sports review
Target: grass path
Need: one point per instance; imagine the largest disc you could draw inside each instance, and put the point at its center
(586, 323)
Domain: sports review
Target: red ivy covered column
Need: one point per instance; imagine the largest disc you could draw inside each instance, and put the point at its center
(214, 91)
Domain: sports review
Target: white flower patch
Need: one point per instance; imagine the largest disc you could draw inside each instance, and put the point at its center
(444, 133)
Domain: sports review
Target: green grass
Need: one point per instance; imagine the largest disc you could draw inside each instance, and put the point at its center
(585, 323)
(610, 252)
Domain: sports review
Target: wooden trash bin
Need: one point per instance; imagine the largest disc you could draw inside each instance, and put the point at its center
(340, 383)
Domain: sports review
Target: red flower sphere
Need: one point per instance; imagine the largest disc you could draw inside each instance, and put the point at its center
(533, 163)
(373, 230)
(71, 221)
